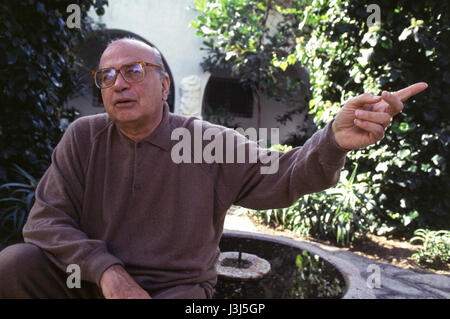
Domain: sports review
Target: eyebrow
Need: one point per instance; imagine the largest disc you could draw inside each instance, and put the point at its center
(132, 61)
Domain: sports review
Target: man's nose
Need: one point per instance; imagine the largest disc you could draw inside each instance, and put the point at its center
(120, 84)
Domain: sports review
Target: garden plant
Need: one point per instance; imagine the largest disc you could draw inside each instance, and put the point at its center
(38, 73)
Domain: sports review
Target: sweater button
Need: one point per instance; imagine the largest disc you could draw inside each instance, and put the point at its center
(139, 145)
(137, 187)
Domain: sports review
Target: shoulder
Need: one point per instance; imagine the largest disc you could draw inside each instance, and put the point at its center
(190, 122)
(89, 127)
(81, 134)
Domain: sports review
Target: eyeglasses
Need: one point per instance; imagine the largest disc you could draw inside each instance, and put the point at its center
(132, 73)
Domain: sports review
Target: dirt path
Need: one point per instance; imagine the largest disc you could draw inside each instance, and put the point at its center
(393, 251)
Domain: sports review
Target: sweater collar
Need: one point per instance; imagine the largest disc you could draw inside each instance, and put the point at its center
(161, 135)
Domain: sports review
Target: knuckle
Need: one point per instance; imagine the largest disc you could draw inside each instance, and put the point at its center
(359, 98)
(362, 114)
(386, 119)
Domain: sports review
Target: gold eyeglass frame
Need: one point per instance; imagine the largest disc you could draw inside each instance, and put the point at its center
(119, 70)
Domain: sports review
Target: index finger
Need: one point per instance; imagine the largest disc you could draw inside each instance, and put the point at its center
(411, 90)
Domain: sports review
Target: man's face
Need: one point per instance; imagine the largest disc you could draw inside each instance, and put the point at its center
(134, 105)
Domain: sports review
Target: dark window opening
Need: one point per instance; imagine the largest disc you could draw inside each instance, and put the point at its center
(227, 94)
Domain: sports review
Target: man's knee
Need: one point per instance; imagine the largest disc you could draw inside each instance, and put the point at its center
(27, 272)
(20, 259)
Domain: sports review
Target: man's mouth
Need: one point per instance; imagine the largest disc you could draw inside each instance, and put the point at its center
(124, 102)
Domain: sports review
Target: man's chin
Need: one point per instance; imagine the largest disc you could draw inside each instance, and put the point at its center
(124, 116)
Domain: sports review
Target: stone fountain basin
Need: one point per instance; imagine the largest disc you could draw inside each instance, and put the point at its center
(355, 286)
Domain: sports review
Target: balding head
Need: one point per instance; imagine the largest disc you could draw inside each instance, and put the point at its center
(147, 52)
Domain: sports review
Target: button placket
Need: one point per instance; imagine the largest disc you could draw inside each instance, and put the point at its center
(137, 183)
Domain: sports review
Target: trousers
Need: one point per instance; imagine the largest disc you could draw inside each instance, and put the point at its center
(26, 272)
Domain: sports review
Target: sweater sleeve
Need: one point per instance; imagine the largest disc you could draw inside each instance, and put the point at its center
(310, 168)
(54, 220)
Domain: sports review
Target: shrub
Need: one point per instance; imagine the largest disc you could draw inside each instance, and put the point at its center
(345, 57)
(18, 200)
(38, 72)
(435, 250)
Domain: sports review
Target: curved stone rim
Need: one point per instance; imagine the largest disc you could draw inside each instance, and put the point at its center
(356, 286)
(258, 269)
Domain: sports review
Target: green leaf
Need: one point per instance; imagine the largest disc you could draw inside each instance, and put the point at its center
(8, 185)
(404, 153)
(194, 24)
(365, 56)
(403, 126)
(200, 5)
(284, 65)
(405, 34)
(382, 167)
(292, 59)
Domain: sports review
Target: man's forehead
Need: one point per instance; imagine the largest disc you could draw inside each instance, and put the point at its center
(123, 51)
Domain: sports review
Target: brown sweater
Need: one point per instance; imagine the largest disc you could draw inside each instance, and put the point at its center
(107, 200)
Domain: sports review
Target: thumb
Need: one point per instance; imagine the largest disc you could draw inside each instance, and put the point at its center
(362, 99)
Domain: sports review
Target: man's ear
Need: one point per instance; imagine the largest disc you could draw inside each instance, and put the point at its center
(165, 87)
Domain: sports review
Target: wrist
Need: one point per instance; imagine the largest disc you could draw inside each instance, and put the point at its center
(335, 138)
(113, 279)
(116, 283)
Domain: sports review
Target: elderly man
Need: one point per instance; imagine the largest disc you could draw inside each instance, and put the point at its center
(136, 223)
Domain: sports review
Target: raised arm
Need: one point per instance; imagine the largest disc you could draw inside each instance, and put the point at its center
(317, 164)
(311, 168)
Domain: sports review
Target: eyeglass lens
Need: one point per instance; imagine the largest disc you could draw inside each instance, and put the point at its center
(131, 73)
